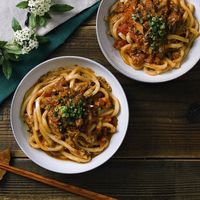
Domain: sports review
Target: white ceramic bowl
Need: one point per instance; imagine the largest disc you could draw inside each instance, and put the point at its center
(112, 55)
(21, 134)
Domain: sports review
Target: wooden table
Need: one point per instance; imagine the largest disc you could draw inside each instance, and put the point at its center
(159, 158)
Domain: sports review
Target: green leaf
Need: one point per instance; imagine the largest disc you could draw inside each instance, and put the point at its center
(2, 44)
(42, 39)
(1, 60)
(47, 15)
(15, 25)
(22, 5)
(5, 55)
(42, 21)
(13, 48)
(13, 57)
(32, 21)
(7, 69)
(60, 8)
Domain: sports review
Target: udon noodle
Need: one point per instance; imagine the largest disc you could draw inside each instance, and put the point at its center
(153, 35)
(71, 114)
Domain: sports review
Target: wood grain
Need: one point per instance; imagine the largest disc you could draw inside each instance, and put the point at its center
(51, 182)
(146, 179)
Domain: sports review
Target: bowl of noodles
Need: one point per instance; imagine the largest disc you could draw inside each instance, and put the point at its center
(150, 40)
(69, 114)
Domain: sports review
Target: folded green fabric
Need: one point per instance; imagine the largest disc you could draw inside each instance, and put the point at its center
(56, 38)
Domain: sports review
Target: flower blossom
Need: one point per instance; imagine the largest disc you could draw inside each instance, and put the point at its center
(26, 39)
(39, 7)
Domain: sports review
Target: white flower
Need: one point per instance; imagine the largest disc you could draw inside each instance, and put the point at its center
(21, 35)
(39, 7)
(31, 44)
(26, 39)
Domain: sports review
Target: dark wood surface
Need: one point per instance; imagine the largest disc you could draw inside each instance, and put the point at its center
(159, 158)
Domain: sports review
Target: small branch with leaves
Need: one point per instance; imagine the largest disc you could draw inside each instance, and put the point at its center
(39, 11)
(25, 39)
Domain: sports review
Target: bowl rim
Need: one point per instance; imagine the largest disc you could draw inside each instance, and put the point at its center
(125, 108)
(164, 79)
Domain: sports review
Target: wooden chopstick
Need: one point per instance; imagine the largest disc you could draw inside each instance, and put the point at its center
(55, 183)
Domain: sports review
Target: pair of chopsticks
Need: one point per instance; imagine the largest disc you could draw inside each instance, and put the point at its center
(55, 183)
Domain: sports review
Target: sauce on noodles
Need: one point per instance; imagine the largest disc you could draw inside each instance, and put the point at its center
(71, 114)
(153, 35)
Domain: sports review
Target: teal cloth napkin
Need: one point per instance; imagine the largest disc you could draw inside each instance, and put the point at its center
(56, 38)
